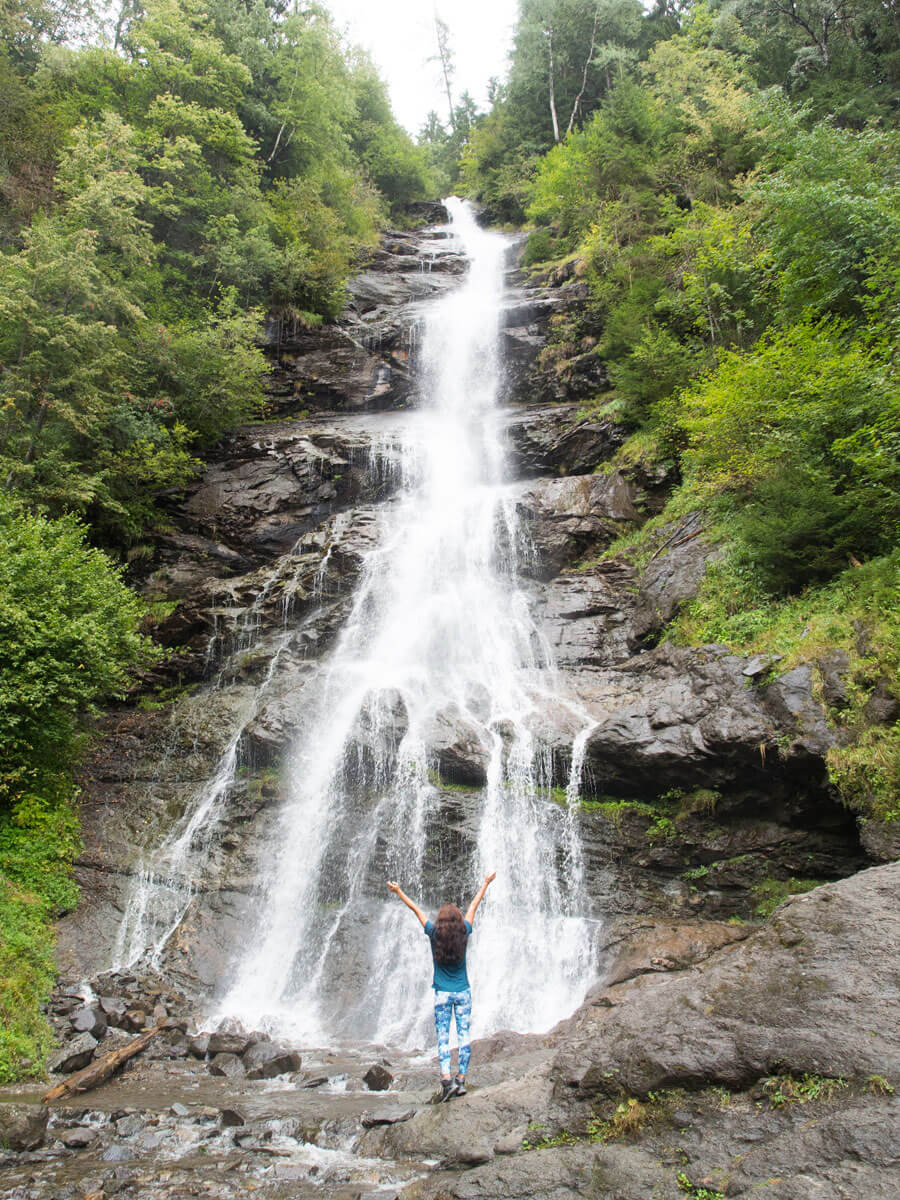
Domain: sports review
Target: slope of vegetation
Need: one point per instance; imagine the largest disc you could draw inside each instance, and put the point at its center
(168, 176)
(724, 178)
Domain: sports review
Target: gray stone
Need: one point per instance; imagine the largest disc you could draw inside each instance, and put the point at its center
(89, 1020)
(760, 664)
(228, 1065)
(130, 1126)
(136, 1019)
(229, 1043)
(199, 1045)
(232, 1118)
(685, 717)
(459, 748)
(78, 1138)
(571, 517)
(511, 1143)
(74, 1055)
(882, 706)
(546, 439)
(180, 1110)
(834, 669)
(386, 1116)
(23, 1126)
(880, 839)
(632, 948)
(266, 1060)
(113, 1009)
(117, 1153)
(464, 1132)
(592, 1172)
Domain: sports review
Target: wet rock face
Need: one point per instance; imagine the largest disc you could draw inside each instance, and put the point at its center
(550, 439)
(568, 518)
(362, 362)
(461, 755)
(688, 716)
(533, 376)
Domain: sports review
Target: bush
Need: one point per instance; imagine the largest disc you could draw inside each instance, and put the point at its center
(37, 845)
(781, 434)
(68, 635)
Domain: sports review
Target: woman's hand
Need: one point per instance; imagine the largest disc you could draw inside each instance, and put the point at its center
(490, 878)
(394, 887)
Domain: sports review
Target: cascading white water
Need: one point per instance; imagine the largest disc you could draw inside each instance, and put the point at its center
(439, 636)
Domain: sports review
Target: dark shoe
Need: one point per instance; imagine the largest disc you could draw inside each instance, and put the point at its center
(459, 1087)
(448, 1089)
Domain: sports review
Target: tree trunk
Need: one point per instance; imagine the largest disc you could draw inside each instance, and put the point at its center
(552, 92)
(584, 74)
(98, 1072)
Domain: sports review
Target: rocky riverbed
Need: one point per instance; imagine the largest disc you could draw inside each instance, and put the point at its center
(715, 1055)
(709, 1060)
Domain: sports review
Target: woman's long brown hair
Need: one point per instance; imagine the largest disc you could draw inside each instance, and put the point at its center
(449, 936)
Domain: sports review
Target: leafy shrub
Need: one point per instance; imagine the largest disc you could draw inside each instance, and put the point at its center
(779, 433)
(68, 636)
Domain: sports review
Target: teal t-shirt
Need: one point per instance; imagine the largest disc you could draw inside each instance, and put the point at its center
(449, 977)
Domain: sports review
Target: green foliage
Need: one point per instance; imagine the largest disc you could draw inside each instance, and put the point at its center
(26, 977)
(769, 893)
(827, 213)
(696, 1191)
(879, 1086)
(211, 373)
(694, 874)
(159, 198)
(628, 1118)
(38, 841)
(397, 167)
(68, 635)
(784, 429)
(801, 1089)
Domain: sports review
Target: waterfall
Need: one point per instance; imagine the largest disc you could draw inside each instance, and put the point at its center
(439, 635)
(439, 649)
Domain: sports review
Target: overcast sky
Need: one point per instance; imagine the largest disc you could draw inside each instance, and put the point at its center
(399, 34)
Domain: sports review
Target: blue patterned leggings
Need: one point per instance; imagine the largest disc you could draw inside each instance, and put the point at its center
(459, 1003)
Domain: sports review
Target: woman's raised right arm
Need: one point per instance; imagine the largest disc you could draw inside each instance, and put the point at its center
(395, 888)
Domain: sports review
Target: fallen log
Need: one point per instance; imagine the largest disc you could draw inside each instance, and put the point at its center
(101, 1069)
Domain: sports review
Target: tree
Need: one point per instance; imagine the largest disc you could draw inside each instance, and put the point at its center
(556, 47)
(445, 58)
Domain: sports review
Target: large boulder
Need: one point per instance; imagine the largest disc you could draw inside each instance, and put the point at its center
(464, 1133)
(266, 1060)
(74, 1055)
(23, 1126)
(813, 991)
